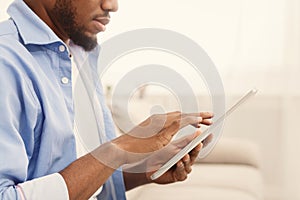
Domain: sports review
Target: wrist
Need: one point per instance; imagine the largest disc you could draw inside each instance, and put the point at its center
(110, 155)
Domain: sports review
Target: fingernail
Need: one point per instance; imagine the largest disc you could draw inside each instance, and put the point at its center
(199, 119)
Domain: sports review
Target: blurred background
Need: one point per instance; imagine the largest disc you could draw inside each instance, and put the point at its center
(253, 43)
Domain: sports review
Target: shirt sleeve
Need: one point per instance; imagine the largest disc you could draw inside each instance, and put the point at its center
(18, 120)
(47, 188)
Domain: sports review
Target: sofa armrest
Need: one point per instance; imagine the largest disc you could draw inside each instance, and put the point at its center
(234, 151)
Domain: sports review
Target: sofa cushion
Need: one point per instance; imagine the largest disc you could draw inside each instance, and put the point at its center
(209, 182)
(234, 151)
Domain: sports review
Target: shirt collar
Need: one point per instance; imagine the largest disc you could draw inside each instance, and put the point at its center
(31, 28)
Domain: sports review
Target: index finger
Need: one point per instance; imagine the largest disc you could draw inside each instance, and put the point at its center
(206, 115)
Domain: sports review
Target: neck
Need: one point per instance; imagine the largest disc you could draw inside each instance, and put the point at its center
(40, 8)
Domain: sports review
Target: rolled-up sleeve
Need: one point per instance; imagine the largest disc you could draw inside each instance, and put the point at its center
(47, 188)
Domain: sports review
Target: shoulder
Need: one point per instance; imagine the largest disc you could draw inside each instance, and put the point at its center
(13, 54)
(7, 27)
(12, 50)
(9, 37)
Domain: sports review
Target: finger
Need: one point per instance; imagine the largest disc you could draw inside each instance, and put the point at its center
(166, 120)
(199, 114)
(177, 123)
(207, 140)
(187, 164)
(207, 122)
(184, 115)
(186, 118)
(171, 117)
(190, 120)
(194, 153)
(206, 115)
(180, 174)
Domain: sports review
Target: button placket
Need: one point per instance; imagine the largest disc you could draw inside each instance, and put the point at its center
(61, 48)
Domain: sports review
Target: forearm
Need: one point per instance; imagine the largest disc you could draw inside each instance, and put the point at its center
(85, 175)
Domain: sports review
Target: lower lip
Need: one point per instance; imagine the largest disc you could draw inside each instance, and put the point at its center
(99, 26)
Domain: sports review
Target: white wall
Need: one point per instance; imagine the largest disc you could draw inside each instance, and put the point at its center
(3, 6)
(247, 39)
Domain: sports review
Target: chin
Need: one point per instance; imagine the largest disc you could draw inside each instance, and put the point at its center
(88, 43)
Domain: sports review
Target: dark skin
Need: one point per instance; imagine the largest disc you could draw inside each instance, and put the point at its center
(85, 175)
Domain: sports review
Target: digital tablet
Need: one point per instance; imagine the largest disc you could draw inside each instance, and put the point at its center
(201, 137)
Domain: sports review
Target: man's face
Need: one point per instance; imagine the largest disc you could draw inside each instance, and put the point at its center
(81, 20)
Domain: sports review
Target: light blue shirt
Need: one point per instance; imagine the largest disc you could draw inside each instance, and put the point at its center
(36, 105)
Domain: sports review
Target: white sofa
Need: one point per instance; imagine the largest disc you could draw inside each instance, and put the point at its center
(230, 172)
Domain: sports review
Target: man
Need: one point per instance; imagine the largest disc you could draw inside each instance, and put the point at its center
(37, 142)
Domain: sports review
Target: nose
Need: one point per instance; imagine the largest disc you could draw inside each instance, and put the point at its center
(110, 5)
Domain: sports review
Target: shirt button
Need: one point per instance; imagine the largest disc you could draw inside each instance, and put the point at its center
(65, 80)
(62, 48)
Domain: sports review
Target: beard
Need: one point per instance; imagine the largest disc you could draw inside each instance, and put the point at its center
(65, 14)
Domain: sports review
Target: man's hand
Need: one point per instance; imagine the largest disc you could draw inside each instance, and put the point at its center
(156, 132)
(140, 172)
(180, 171)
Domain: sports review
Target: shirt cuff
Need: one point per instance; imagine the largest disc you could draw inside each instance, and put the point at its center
(47, 188)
